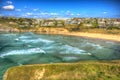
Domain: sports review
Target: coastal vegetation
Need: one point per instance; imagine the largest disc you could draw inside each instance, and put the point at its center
(84, 70)
(94, 25)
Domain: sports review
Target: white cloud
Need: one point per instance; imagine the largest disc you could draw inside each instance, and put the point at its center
(105, 12)
(35, 16)
(18, 10)
(28, 13)
(68, 13)
(9, 2)
(72, 14)
(8, 7)
(44, 13)
(53, 14)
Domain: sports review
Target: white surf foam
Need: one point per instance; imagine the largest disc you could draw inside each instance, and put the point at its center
(17, 39)
(89, 53)
(20, 64)
(30, 40)
(69, 49)
(45, 40)
(94, 45)
(24, 51)
(109, 42)
(36, 40)
(23, 37)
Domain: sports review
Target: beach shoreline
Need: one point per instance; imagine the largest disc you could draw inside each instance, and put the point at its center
(109, 37)
(63, 31)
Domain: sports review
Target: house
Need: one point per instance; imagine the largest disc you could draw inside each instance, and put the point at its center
(68, 21)
(48, 23)
(60, 23)
(116, 22)
(101, 23)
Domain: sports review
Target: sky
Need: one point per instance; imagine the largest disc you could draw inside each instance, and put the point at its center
(60, 8)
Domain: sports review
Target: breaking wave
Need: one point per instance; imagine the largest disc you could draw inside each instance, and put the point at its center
(66, 49)
(24, 51)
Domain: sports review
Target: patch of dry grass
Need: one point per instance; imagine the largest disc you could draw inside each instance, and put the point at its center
(102, 31)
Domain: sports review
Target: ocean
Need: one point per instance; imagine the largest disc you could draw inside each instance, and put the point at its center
(18, 49)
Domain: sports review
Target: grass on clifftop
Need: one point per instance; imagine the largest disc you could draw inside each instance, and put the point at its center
(84, 70)
(102, 31)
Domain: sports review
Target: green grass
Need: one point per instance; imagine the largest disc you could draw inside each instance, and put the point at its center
(83, 70)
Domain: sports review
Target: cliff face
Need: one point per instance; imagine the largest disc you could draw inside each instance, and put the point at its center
(52, 30)
(46, 30)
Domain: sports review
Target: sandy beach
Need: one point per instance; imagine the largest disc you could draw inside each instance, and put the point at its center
(62, 31)
(95, 35)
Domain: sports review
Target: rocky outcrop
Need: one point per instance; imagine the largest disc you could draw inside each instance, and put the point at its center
(52, 30)
(37, 30)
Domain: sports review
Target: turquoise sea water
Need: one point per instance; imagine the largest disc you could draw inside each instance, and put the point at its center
(29, 48)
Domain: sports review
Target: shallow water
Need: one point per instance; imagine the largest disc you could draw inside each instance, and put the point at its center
(28, 48)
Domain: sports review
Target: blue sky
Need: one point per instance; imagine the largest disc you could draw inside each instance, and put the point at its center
(60, 8)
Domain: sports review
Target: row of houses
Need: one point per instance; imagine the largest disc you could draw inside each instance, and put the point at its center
(101, 22)
(63, 22)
